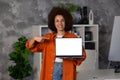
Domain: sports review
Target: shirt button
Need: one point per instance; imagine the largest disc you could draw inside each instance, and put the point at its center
(51, 68)
(50, 74)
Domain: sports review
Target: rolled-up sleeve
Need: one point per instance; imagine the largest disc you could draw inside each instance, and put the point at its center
(38, 47)
(78, 61)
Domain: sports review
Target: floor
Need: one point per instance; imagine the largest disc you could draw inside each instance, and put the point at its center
(104, 74)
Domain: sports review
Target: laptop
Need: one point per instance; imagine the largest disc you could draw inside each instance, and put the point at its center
(69, 47)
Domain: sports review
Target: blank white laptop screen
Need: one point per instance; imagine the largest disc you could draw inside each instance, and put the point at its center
(68, 47)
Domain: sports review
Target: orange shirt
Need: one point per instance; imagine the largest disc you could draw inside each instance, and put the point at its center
(48, 49)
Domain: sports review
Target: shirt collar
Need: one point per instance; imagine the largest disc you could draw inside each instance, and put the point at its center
(55, 34)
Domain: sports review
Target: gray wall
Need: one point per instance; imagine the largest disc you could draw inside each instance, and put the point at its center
(18, 16)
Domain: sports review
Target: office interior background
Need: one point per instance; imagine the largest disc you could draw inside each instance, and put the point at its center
(18, 16)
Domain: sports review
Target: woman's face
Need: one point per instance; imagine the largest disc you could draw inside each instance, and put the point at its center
(59, 22)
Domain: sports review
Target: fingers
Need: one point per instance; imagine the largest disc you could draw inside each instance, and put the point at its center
(45, 38)
(40, 39)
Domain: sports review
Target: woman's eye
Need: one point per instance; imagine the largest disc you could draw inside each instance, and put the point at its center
(57, 20)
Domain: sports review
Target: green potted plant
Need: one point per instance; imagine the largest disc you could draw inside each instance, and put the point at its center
(19, 56)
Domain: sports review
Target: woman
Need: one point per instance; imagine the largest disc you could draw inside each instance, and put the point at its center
(60, 22)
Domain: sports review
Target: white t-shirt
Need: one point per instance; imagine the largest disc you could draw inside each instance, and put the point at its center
(59, 59)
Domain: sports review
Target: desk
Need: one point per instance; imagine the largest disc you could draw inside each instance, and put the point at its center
(103, 74)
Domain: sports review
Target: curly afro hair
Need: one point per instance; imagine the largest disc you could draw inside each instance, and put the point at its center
(60, 11)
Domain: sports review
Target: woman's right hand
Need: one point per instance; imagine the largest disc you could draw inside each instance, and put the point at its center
(40, 39)
(37, 39)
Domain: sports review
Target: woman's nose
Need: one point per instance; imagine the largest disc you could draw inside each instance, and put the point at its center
(60, 22)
